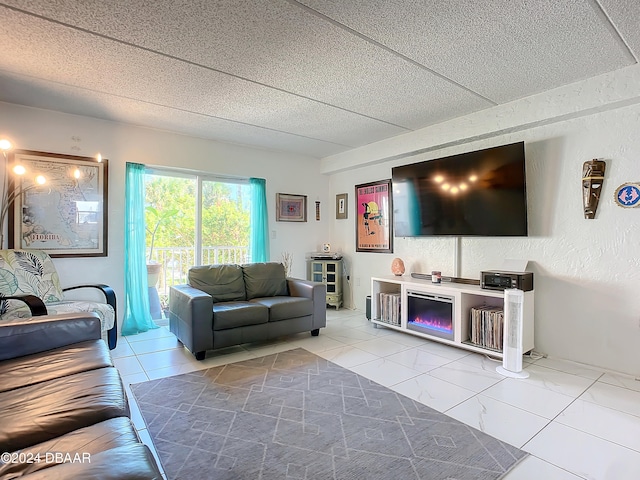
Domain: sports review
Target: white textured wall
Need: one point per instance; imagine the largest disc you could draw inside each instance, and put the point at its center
(47, 131)
(587, 272)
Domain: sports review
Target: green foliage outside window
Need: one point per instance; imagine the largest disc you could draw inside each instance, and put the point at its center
(170, 194)
(225, 212)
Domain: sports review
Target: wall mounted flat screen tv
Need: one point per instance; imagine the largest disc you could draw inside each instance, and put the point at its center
(480, 193)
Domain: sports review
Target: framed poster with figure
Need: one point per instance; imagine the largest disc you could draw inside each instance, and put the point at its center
(374, 222)
(60, 206)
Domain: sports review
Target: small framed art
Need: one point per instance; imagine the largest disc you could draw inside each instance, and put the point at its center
(291, 208)
(341, 206)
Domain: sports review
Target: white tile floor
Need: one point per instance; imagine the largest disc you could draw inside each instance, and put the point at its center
(577, 422)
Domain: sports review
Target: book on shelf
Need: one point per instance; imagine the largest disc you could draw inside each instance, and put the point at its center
(487, 324)
(389, 305)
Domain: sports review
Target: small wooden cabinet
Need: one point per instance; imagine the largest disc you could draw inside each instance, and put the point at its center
(329, 272)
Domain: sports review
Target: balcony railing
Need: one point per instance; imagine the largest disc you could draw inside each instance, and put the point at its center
(176, 262)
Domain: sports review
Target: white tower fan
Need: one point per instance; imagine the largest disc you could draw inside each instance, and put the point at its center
(512, 336)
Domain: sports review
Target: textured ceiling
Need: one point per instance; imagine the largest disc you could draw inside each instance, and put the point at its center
(311, 76)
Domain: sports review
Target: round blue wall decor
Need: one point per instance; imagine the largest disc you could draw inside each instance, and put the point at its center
(628, 195)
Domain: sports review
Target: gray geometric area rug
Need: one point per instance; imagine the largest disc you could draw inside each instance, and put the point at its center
(294, 415)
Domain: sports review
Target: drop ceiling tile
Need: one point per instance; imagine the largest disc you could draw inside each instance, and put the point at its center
(306, 74)
(52, 96)
(501, 49)
(42, 49)
(625, 16)
(280, 44)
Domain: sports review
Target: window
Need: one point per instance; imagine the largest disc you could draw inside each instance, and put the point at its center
(194, 219)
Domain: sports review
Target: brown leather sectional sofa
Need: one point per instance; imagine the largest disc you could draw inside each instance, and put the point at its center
(63, 409)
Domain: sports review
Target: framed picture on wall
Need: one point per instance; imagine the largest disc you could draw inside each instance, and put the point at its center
(291, 208)
(341, 206)
(60, 204)
(374, 222)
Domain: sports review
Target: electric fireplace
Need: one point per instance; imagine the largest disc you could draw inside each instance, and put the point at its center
(431, 314)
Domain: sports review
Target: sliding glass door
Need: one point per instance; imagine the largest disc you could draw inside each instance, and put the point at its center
(193, 220)
(225, 214)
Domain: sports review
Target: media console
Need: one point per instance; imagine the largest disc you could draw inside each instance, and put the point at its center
(442, 312)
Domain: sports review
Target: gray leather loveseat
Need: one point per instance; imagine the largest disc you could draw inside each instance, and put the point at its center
(63, 409)
(225, 305)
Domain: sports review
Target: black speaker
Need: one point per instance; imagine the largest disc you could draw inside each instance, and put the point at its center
(368, 307)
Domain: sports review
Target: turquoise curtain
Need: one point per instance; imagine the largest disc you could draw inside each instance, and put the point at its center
(137, 316)
(259, 241)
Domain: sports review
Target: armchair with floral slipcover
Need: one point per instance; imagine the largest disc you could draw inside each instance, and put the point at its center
(30, 286)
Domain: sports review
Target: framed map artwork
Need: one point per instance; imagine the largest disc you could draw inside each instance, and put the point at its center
(66, 216)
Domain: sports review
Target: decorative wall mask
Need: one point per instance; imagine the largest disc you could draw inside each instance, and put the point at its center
(592, 179)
